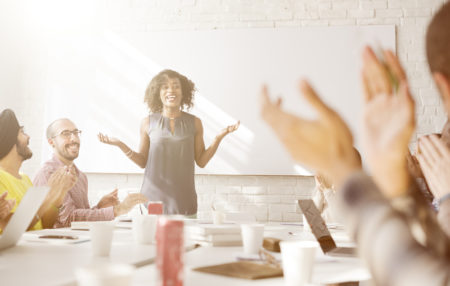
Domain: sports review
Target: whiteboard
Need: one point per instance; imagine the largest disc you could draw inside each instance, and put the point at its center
(98, 80)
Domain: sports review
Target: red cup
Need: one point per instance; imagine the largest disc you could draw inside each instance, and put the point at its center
(155, 207)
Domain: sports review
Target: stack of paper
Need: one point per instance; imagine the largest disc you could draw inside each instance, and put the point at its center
(214, 235)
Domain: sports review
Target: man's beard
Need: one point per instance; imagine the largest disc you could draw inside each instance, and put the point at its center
(24, 151)
(63, 152)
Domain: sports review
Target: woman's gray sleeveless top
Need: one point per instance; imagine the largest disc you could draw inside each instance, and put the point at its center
(169, 173)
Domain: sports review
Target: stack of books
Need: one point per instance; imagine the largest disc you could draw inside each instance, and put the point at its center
(214, 235)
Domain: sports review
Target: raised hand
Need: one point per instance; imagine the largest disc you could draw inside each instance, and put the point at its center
(229, 129)
(322, 182)
(434, 159)
(6, 206)
(108, 140)
(388, 122)
(324, 144)
(128, 203)
(109, 200)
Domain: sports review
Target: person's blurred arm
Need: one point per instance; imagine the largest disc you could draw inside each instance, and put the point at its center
(384, 238)
(70, 212)
(389, 122)
(326, 145)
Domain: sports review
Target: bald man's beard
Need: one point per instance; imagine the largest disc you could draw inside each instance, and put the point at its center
(24, 151)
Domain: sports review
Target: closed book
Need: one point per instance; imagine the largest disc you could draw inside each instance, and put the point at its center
(207, 229)
(217, 243)
(215, 237)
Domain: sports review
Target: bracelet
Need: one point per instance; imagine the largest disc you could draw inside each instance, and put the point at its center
(443, 199)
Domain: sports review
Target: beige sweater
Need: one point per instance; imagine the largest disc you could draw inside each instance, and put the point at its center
(385, 240)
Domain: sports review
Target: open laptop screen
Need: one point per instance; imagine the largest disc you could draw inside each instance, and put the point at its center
(22, 217)
(317, 224)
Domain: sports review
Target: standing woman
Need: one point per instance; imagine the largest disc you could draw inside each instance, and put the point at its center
(171, 140)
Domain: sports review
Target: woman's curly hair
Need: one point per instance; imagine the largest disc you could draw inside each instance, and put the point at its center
(153, 99)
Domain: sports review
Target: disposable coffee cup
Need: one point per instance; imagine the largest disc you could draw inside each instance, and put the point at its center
(252, 237)
(101, 237)
(144, 228)
(298, 261)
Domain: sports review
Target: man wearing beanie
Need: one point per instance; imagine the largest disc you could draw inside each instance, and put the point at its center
(13, 151)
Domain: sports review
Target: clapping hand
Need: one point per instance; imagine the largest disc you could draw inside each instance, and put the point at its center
(5, 206)
(109, 200)
(128, 203)
(324, 144)
(388, 122)
(60, 182)
(434, 159)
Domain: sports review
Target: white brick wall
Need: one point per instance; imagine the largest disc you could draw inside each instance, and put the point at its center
(269, 197)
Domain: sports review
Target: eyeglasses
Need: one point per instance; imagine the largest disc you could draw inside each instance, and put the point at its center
(66, 134)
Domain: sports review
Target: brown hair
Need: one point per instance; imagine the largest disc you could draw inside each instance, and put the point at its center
(152, 93)
(438, 41)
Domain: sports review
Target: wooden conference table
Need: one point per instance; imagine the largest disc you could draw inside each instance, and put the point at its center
(37, 263)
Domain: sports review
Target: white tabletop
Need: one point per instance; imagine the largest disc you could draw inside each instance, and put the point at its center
(326, 269)
(32, 263)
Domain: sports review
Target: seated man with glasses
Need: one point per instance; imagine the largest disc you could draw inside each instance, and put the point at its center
(64, 137)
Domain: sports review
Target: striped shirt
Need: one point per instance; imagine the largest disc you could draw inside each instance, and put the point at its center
(75, 205)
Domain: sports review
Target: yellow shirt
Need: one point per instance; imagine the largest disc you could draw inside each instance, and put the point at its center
(16, 189)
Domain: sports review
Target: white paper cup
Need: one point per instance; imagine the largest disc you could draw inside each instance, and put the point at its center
(298, 261)
(144, 228)
(101, 237)
(105, 275)
(218, 217)
(252, 237)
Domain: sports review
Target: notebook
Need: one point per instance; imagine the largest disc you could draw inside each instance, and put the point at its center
(56, 236)
(22, 217)
(321, 232)
(243, 269)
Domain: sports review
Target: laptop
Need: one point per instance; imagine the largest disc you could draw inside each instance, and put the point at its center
(22, 217)
(321, 232)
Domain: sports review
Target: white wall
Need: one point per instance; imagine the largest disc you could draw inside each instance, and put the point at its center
(270, 197)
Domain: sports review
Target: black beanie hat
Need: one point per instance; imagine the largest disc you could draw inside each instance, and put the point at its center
(9, 129)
